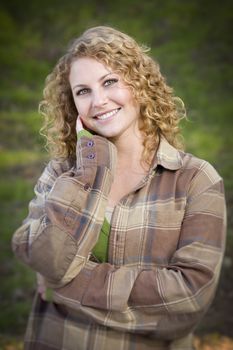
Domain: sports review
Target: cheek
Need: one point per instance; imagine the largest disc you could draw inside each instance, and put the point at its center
(123, 96)
(81, 107)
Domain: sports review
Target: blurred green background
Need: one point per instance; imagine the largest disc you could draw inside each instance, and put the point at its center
(192, 40)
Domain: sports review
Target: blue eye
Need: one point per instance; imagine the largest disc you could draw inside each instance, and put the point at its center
(82, 92)
(110, 82)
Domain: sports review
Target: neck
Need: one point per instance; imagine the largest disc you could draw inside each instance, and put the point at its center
(129, 149)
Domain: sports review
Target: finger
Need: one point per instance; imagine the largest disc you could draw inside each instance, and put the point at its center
(79, 124)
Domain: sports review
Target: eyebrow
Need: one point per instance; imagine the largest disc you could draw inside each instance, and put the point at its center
(84, 85)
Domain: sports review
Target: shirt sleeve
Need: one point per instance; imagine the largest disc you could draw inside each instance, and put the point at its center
(53, 240)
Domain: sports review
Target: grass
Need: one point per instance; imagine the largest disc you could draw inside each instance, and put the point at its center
(23, 157)
(17, 280)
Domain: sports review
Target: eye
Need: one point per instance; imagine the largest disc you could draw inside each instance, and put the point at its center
(83, 91)
(110, 82)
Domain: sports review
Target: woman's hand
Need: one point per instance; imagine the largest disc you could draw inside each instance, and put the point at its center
(79, 125)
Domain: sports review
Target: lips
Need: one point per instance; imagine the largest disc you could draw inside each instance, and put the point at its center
(107, 115)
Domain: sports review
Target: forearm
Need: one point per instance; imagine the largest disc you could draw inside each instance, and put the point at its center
(142, 300)
(63, 225)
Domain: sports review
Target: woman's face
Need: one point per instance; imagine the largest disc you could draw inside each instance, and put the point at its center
(104, 102)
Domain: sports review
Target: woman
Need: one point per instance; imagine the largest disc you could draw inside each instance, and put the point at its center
(126, 231)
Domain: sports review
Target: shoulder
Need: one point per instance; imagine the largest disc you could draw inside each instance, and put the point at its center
(199, 166)
(201, 173)
(185, 164)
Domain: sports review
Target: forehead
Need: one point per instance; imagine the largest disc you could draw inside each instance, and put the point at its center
(86, 68)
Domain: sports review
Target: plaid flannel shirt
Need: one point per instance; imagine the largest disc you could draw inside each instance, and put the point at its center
(165, 251)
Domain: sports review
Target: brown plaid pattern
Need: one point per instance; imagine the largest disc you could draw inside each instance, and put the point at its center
(165, 251)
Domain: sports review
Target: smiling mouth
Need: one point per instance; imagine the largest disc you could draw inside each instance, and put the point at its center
(107, 115)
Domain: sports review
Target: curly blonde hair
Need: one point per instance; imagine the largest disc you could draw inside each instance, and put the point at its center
(160, 110)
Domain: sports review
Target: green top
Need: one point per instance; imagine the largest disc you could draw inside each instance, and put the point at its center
(100, 250)
(84, 132)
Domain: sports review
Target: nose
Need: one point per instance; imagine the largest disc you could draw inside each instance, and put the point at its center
(99, 98)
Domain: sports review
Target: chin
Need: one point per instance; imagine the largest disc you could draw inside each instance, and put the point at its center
(108, 135)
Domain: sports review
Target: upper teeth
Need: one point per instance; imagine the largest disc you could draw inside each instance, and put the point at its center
(107, 115)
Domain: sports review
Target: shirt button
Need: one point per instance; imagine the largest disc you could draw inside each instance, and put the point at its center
(90, 143)
(86, 187)
(91, 156)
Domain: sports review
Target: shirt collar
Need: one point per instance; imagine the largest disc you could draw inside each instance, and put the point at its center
(167, 156)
